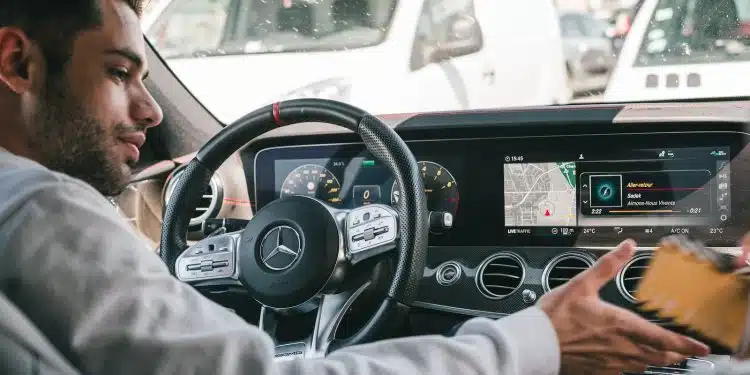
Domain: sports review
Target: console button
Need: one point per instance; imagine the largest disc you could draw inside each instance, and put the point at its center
(528, 296)
(448, 273)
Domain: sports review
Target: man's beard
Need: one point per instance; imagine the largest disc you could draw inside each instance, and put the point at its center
(64, 137)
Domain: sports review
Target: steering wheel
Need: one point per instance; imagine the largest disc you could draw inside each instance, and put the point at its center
(295, 253)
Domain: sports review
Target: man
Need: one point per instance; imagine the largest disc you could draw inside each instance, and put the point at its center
(73, 101)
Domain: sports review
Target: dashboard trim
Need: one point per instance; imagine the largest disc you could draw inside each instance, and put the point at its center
(458, 310)
(596, 253)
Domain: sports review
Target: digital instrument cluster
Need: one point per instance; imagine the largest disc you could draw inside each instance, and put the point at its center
(560, 191)
(365, 182)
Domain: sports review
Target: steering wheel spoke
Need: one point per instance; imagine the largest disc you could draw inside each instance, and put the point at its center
(213, 258)
(370, 231)
(331, 310)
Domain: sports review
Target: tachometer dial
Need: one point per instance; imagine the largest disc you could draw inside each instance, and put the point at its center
(313, 181)
(440, 186)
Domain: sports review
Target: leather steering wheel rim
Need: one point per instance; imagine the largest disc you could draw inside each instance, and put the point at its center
(384, 144)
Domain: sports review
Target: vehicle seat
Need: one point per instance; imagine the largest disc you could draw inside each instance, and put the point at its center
(24, 349)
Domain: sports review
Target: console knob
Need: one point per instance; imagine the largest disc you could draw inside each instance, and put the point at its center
(529, 296)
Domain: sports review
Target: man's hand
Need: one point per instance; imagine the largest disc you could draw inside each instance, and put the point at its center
(597, 337)
(743, 260)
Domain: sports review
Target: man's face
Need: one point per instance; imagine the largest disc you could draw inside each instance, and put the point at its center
(92, 116)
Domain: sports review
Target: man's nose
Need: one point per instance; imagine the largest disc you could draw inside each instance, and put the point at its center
(146, 111)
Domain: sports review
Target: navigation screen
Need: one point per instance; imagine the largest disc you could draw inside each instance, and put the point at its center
(646, 191)
(540, 195)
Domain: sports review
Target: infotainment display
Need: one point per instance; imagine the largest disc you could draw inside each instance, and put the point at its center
(641, 190)
(539, 191)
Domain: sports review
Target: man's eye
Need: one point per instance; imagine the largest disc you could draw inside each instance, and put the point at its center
(119, 73)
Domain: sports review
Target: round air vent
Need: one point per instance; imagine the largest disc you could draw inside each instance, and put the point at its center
(500, 275)
(209, 204)
(564, 267)
(631, 275)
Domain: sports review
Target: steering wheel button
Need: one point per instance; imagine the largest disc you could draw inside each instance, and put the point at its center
(193, 267)
(366, 216)
(369, 234)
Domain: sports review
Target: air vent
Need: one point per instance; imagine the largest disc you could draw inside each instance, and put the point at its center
(631, 275)
(500, 275)
(209, 203)
(564, 267)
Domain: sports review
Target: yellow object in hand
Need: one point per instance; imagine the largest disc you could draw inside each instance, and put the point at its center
(694, 286)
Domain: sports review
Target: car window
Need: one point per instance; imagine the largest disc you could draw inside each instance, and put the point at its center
(193, 26)
(394, 56)
(221, 27)
(696, 31)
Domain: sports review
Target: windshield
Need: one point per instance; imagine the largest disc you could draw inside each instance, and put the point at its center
(697, 32)
(218, 27)
(390, 56)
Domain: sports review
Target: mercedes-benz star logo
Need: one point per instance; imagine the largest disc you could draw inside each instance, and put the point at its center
(280, 248)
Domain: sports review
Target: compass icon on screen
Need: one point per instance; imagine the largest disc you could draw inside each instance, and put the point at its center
(606, 190)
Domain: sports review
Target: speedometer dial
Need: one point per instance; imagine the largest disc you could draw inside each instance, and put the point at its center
(314, 181)
(439, 185)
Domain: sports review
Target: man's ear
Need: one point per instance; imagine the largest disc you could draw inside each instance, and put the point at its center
(19, 60)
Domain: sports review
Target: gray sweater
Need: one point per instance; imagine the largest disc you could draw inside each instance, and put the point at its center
(78, 270)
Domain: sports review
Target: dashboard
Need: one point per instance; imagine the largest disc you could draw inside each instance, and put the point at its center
(534, 196)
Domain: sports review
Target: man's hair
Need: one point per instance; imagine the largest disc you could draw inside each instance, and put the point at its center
(54, 24)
